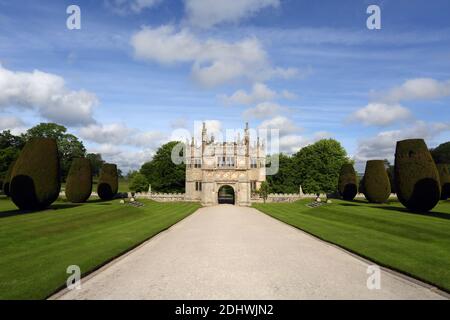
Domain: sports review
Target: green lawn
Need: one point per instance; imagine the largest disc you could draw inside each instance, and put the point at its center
(415, 244)
(37, 248)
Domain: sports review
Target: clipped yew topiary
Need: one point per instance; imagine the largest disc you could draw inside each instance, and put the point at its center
(7, 181)
(108, 183)
(390, 174)
(416, 176)
(444, 177)
(347, 182)
(35, 180)
(376, 182)
(79, 181)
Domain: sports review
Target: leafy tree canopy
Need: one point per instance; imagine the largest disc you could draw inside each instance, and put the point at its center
(162, 173)
(441, 154)
(318, 166)
(96, 162)
(286, 180)
(10, 146)
(264, 190)
(138, 183)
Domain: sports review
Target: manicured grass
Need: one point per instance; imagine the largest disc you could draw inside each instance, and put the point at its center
(415, 244)
(37, 248)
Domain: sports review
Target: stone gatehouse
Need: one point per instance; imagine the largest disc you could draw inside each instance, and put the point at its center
(224, 172)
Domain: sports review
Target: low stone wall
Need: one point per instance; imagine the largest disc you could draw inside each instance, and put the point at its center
(285, 197)
(160, 197)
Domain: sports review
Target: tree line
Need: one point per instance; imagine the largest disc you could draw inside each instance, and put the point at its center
(69, 147)
(315, 167)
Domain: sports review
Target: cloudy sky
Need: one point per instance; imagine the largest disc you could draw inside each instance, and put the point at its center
(140, 69)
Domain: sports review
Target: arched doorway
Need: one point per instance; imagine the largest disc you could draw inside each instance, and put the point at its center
(226, 195)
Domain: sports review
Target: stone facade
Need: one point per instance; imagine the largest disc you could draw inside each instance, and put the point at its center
(212, 165)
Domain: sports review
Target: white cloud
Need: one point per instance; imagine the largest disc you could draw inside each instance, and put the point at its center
(179, 123)
(48, 95)
(263, 110)
(118, 134)
(418, 89)
(10, 123)
(130, 6)
(260, 93)
(288, 95)
(214, 62)
(382, 146)
(380, 114)
(128, 148)
(207, 13)
(293, 143)
(126, 159)
(283, 124)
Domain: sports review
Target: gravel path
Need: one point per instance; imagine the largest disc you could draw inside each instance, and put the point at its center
(228, 252)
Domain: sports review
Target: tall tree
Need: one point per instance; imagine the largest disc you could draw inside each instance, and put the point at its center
(96, 162)
(318, 166)
(441, 154)
(138, 183)
(10, 146)
(162, 173)
(285, 181)
(69, 147)
(264, 190)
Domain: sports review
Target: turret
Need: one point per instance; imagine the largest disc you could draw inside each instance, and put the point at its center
(247, 140)
(204, 137)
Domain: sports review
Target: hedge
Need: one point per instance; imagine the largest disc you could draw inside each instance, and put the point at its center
(35, 180)
(79, 181)
(416, 176)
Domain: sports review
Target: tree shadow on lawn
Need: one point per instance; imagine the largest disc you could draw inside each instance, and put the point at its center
(54, 207)
(362, 203)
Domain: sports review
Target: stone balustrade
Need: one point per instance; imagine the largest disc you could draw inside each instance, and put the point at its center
(160, 197)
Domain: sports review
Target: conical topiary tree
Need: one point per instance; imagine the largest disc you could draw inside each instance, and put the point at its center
(347, 182)
(79, 181)
(7, 181)
(444, 177)
(390, 174)
(416, 176)
(376, 182)
(35, 179)
(108, 183)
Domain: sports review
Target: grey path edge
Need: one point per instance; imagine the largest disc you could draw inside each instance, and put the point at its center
(227, 252)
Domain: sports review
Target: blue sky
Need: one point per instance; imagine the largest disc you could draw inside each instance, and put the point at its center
(140, 69)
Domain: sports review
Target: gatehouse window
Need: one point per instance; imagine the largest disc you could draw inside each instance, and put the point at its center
(198, 186)
(253, 186)
(197, 163)
(225, 162)
(253, 163)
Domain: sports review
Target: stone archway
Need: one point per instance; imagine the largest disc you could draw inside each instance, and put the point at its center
(226, 195)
